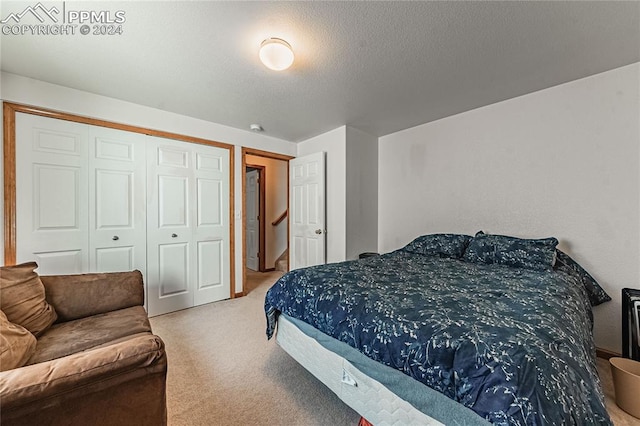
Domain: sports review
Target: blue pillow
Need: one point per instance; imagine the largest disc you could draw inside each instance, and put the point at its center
(565, 263)
(443, 245)
(537, 254)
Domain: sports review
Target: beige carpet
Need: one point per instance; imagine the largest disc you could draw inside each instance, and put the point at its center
(223, 371)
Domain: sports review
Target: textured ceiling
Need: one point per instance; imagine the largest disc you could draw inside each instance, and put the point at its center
(378, 66)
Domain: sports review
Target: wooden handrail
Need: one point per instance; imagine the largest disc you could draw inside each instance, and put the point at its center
(280, 218)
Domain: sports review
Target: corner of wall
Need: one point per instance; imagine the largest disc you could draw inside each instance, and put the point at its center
(361, 192)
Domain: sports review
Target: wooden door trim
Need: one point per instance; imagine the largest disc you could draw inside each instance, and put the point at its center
(265, 154)
(9, 166)
(10, 109)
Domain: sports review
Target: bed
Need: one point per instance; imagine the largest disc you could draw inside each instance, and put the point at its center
(459, 329)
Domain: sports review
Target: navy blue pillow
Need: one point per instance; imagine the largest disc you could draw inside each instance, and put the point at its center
(443, 245)
(565, 263)
(537, 254)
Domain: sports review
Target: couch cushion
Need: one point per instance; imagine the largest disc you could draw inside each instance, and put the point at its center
(84, 295)
(17, 344)
(87, 333)
(122, 384)
(22, 298)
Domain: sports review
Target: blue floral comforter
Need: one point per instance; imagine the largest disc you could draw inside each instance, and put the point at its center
(512, 344)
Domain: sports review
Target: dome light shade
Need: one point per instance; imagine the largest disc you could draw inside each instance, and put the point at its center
(276, 54)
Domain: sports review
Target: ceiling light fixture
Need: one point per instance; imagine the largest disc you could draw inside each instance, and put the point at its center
(276, 54)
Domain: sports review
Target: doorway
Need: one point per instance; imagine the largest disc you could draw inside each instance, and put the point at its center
(265, 201)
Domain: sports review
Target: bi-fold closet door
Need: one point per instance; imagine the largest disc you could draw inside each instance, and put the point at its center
(187, 225)
(80, 197)
(94, 199)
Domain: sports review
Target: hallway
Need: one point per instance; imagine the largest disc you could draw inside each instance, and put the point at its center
(255, 279)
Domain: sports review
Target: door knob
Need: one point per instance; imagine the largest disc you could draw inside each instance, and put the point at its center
(318, 231)
(115, 238)
(174, 235)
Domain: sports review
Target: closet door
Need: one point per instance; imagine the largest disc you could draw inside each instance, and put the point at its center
(211, 237)
(51, 187)
(187, 225)
(169, 252)
(117, 200)
(93, 199)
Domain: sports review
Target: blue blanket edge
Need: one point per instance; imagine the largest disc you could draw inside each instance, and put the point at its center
(420, 396)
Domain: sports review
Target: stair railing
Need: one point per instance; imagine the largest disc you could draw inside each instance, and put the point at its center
(280, 218)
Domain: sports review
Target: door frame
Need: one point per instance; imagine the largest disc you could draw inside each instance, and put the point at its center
(9, 110)
(265, 154)
(261, 212)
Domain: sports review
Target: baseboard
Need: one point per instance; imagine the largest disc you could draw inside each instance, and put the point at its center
(236, 295)
(606, 354)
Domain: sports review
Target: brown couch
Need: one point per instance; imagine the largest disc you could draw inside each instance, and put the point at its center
(97, 364)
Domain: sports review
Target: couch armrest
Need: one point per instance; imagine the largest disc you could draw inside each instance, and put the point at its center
(108, 385)
(80, 296)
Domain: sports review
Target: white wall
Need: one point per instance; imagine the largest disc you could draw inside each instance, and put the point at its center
(27, 91)
(362, 192)
(351, 190)
(564, 161)
(333, 143)
(275, 203)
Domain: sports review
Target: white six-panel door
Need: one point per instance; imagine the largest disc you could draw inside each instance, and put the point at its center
(187, 225)
(52, 187)
(307, 210)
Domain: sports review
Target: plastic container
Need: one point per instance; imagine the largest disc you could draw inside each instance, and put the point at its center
(626, 382)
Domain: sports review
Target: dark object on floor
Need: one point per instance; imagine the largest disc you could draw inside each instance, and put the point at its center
(630, 323)
(368, 254)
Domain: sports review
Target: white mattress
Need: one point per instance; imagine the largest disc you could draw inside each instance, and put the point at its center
(371, 399)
